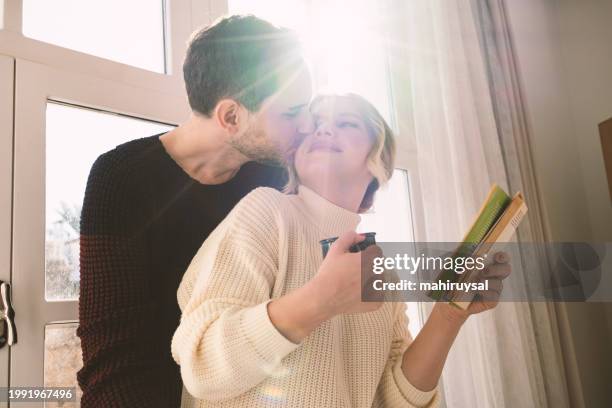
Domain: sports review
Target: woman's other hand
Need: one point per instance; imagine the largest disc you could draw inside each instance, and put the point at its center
(495, 273)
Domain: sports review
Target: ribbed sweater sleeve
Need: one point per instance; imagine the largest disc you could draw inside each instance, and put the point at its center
(394, 388)
(122, 355)
(225, 342)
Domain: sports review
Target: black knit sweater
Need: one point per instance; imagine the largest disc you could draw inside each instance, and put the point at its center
(143, 220)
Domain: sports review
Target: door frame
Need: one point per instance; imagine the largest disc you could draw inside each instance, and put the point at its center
(7, 77)
(35, 85)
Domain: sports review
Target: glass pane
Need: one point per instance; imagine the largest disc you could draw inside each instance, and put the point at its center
(63, 359)
(391, 218)
(131, 32)
(345, 45)
(75, 137)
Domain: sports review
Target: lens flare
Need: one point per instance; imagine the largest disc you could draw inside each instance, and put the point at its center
(272, 394)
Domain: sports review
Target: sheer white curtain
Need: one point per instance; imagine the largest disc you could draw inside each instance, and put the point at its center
(509, 357)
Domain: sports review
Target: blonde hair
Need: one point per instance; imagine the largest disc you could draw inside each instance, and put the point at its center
(381, 159)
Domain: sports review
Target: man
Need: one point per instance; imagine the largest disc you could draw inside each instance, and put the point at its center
(150, 203)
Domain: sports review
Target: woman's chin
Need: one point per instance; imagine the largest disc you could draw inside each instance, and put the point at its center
(319, 168)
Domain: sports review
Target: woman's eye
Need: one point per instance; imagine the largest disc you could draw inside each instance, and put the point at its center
(347, 124)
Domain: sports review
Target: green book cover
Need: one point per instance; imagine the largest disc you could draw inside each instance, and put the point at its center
(493, 207)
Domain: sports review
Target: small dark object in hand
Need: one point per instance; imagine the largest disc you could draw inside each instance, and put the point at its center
(368, 240)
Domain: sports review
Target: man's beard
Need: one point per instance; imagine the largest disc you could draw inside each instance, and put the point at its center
(256, 146)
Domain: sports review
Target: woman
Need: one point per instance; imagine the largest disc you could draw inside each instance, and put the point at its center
(266, 322)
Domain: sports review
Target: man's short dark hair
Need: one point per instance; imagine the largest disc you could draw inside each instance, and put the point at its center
(239, 57)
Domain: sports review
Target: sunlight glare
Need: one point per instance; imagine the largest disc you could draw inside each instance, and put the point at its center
(341, 39)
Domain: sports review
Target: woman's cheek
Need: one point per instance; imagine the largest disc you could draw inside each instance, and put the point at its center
(299, 160)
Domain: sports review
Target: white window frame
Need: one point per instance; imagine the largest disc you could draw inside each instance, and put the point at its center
(36, 72)
(36, 84)
(180, 22)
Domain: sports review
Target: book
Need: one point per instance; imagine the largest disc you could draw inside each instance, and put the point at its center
(493, 226)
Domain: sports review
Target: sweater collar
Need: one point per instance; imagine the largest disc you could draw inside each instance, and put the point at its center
(331, 219)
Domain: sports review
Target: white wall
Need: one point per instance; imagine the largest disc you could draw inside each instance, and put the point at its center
(564, 53)
(585, 34)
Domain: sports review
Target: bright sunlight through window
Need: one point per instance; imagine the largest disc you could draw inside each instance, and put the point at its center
(342, 41)
(130, 32)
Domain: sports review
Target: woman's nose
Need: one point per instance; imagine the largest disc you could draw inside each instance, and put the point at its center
(323, 129)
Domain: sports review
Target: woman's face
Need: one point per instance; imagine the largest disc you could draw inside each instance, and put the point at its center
(339, 146)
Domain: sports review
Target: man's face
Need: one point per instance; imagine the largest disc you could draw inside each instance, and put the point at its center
(276, 129)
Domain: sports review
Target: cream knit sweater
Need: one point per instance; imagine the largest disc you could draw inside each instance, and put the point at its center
(230, 353)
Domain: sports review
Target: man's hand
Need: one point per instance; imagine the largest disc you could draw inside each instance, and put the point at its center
(495, 273)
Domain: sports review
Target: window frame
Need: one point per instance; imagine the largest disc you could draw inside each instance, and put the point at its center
(178, 26)
(36, 84)
(42, 72)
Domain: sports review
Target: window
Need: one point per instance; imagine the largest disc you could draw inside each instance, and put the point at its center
(82, 54)
(75, 138)
(342, 42)
(130, 32)
(63, 358)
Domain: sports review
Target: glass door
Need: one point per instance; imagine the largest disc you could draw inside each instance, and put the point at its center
(63, 121)
(76, 81)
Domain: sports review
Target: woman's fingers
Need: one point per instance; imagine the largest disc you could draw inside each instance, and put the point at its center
(487, 299)
(498, 270)
(344, 242)
(501, 257)
(494, 274)
(495, 288)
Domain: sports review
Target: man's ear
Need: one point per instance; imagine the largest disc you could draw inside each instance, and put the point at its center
(229, 114)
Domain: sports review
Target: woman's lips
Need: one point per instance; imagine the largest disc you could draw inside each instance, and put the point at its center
(324, 146)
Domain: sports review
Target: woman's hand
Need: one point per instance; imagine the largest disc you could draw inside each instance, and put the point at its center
(424, 359)
(495, 273)
(335, 289)
(338, 283)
